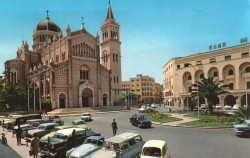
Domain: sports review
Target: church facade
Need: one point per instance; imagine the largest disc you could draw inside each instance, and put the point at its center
(75, 70)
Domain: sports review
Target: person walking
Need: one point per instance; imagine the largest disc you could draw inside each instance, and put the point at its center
(34, 145)
(114, 127)
(19, 133)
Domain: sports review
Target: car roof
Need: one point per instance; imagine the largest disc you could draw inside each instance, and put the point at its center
(69, 131)
(122, 137)
(155, 143)
(48, 124)
(95, 137)
(248, 121)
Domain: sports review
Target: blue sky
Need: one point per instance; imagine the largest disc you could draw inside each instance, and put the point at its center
(152, 31)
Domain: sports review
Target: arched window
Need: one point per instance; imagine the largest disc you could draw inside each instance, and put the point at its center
(189, 77)
(84, 73)
(215, 74)
(230, 72)
(201, 76)
(116, 56)
(247, 69)
(13, 76)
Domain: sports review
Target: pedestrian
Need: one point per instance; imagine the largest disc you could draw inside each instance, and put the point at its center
(4, 139)
(19, 133)
(71, 140)
(114, 127)
(34, 145)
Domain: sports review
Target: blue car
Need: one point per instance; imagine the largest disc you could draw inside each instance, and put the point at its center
(90, 145)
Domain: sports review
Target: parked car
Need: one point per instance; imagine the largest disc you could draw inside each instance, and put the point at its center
(59, 141)
(236, 107)
(153, 105)
(90, 145)
(80, 124)
(86, 116)
(203, 106)
(56, 119)
(140, 121)
(155, 148)
(41, 131)
(125, 145)
(142, 110)
(227, 107)
(218, 106)
(53, 131)
(243, 129)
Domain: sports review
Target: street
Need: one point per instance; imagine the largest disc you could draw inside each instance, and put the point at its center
(182, 142)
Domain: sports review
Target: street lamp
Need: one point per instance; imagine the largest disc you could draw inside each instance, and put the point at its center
(197, 90)
(246, 86)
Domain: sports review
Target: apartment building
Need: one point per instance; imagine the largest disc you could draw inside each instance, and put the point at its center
(230, 64)
(144, 87)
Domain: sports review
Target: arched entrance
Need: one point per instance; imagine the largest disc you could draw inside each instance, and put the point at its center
(104, 99)
(243, 100)
(216, 101)
(201, 100)
(230, 100)
(62, 100)
(87, 97)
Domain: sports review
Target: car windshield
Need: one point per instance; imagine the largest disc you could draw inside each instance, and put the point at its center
(91, 141)
(151, 151)
(60, 136)
(85, 114)
(41, 127)
(111, 146)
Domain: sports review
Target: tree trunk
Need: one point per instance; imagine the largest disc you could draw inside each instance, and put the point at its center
(210, 105)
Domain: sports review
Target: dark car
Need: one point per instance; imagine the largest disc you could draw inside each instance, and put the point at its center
(58, 144)
(56, 119)
(140, 120)
(243, 129)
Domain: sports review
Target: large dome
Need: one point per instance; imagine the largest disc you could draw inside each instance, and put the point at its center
(48, 25)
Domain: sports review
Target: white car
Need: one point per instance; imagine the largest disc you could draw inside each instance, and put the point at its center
(153, 105)
(155, 148)
(218, 106)
(227, 107)
(236, 107)
(86, 116)
(203, 106)
(142, 110)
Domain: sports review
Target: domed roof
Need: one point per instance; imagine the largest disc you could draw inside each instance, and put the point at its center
(47, 24)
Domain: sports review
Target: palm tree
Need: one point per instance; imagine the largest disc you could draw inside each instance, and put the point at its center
(210, 89)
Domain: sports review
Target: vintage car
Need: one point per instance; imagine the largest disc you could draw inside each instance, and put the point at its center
(124, 145)
(243, 129)
(155, 148)
(53, 131)
(58, 144)
(41, 131)
(86, 116)
(80, 124)
(56, 119)
(142, 110)
(90, 145)
(140, 121)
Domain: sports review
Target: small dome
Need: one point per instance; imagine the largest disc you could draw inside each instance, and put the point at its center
(48, 25)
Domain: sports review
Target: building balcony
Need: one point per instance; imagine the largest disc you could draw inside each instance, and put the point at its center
(229, 77)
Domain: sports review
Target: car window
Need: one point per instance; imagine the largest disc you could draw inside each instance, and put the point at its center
(60, 136)
(50, 127)
(152, 151)
(124, 146)
(41, 127)
(132, 142)
(111, 146)
(138, 139)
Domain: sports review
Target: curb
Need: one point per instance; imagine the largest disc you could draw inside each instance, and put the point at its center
(201, 127)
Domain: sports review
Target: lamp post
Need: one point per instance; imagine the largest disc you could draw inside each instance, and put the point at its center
(198, 98)
(246, 86)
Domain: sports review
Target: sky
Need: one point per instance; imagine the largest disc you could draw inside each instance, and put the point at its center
(152, 32)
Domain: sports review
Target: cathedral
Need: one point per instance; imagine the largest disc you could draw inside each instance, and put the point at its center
(75, 70)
